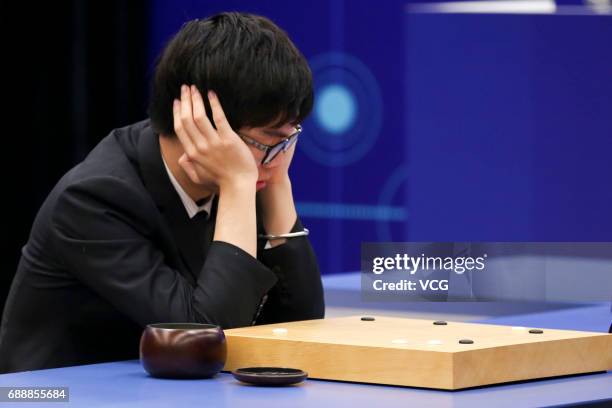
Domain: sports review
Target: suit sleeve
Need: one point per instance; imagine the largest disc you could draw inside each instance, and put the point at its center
(105, 236)
(298, 294)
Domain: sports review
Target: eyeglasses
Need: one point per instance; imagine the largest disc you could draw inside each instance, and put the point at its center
(272, 151)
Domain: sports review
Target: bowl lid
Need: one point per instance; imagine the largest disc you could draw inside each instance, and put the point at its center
(270, 375)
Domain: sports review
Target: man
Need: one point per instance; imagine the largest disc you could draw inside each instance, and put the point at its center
(160, 223)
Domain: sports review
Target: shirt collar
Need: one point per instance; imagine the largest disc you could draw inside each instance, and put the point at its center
(190, 206)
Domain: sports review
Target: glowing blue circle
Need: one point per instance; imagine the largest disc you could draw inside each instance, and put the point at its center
(335, 108)
(338, 133)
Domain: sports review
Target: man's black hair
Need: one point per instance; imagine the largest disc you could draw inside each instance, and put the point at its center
(259, 75)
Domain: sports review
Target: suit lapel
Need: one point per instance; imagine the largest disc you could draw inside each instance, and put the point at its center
(168, 201)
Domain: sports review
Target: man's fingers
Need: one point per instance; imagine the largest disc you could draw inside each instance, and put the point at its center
(179, 129)
(218, 115)
(199, 114)
(187, 120)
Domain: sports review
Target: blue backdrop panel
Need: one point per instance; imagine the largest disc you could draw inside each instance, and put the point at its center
(509, 121)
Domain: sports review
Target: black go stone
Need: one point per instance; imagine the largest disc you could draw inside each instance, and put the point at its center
(440, 323)
(368, 319)
(536, 331)
(466, 341)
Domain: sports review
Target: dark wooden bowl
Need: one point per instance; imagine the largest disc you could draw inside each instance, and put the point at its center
(182, 350)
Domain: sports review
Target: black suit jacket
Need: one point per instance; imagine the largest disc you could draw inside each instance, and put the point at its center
(112, 249)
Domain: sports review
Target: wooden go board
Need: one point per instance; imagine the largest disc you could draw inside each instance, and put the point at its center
(419, 353)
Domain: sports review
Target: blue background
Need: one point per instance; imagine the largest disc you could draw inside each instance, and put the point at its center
(449, 127)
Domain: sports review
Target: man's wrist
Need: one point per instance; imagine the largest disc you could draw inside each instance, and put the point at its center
(236, 222)
(276, 195)
(283, 180)
(241, 184)
(278, 209)
(277, 201)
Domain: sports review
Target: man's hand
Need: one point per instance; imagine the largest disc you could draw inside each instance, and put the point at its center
(222, 157)
(208, 151)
